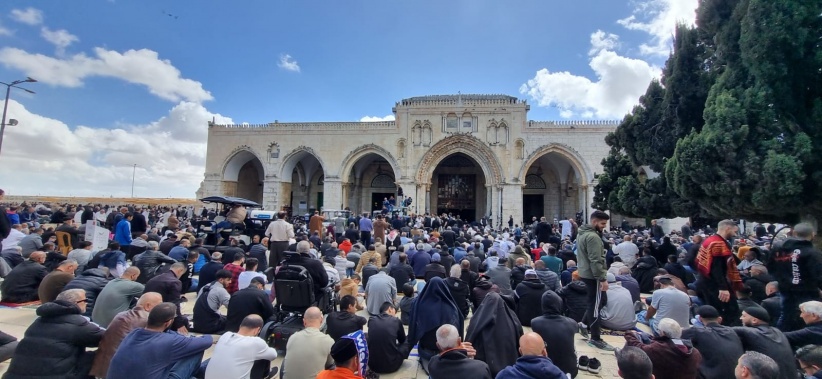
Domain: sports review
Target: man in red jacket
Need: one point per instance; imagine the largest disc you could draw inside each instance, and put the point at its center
(718, 279)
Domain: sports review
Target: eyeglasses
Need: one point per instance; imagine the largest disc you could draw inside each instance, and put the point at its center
(82, 301)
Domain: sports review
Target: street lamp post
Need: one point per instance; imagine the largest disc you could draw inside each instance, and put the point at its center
(133, 171)
(6, 104)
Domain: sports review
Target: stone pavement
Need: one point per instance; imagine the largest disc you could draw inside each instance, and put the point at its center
(14, 321)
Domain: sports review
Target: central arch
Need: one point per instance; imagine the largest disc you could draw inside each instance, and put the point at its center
(369, 174)
(465, 144)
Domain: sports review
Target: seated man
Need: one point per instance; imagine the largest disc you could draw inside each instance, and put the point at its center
(560, 330)
(755, 365)
(242, 355)
(119, 327)
(456, 358)
(309, 349)
(672, 357)
(22, 283)
(381, 288)
(92, 281)
(248, 301)
(811, 334)
(56, 281)
(207, 317)
(758, 336)
(529, 297)
(618, 312)
(314, 267)
(168, 284)
(117, 296)
(54, 346)
(387, 343)
(534, 362)
(633, 363)
(346, 361)
(719, 345)
(346, 320)
(810, 360)
(151, 352)
(668, 302)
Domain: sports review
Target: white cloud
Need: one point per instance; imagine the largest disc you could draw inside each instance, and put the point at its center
(42, 154)
(619, 84)
(603, 41)
(142, 67)
(377, 119)
(5, 31)
(30, 16)
(659, 18)
(59, 38)
(288, 63)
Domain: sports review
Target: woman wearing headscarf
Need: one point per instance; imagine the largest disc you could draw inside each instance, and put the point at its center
(494, 332)
(434, 308)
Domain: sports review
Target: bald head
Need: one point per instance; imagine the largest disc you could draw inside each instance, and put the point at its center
(313, 317)
(38, 256)
(532, 344)
(149, 300)
(131, 273)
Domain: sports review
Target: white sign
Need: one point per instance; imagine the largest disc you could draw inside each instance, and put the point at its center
(98, 236)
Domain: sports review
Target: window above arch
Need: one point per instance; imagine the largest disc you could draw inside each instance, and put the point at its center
(383, 181)
(534, 182)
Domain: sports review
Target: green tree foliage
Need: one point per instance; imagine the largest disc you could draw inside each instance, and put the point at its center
(759, 153)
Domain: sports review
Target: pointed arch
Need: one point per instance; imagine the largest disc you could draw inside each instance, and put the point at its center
(466, 144)
(291, 159)
(237, 159)
(355, 155)
(581, 169)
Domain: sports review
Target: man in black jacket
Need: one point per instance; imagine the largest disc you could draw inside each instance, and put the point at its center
(796, 286)
(139, 226)
(5, 225)
(248, 301)
(560, 330)
(758, 336)
(719, 345)
(456, 358)
(208, 273)
(346, 320)
(459, 289)
(387, 343)
(22, 283)
(811, 334)
(529, 297)
(64, 333)
(314, 267)
(150, 262)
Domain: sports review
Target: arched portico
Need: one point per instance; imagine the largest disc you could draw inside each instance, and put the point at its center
(243, 175)
(369, 174)
(555, 183)
(302, 181)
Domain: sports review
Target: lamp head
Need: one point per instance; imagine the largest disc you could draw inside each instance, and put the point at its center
(29, 79)
(12, 122)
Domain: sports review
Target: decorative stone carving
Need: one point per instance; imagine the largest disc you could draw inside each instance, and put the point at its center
(401, 148)
(466, 144)
(519, 149)
(383, 181)
(534, 182)
(497, 133)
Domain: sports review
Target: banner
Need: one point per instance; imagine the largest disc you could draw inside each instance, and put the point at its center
(362, 349)
(98, 236)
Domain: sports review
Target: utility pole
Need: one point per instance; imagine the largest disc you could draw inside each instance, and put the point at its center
(6, 103)
(133, 171)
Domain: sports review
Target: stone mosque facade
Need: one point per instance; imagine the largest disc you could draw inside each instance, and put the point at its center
(471, 155)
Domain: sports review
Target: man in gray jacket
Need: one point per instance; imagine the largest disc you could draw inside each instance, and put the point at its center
(592, 271)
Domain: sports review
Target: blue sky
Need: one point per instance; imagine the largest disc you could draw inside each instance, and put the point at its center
(139, 78)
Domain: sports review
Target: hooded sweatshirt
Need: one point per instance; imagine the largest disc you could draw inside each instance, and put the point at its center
(494, 331)
(530, 367)
(559, 330)
(590, 254)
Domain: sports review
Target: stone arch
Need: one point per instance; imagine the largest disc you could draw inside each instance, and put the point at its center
(291, 159)
(466, 144)
(235, 161)
(581, 169)
(362, 151)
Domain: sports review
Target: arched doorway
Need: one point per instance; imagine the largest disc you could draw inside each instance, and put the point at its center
(303, 182)
(369, 176)
(243, 176)
(458, 187)
(553, 184)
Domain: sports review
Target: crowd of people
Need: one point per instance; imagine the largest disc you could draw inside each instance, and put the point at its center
(699, 303)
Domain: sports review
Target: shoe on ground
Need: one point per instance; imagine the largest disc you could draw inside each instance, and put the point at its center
(594, 366)
(602, 345)
(583, 363)
(583, 330)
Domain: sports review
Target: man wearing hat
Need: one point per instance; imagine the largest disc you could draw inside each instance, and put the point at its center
(719, 344)
(346, 359)
(758, 336)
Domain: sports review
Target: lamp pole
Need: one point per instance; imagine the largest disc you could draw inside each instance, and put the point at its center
(6, 103)
(133, 171)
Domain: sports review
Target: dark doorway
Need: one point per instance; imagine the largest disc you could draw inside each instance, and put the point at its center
(377, 198)
(319, 200)
(532, 206)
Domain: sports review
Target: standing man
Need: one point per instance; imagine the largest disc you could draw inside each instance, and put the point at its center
(379, 229)
(139, 225)
(5, 225)
(797, 266)
(279, 233)
(593, 272)
(316, 224)
(365, 229)
(718, 278)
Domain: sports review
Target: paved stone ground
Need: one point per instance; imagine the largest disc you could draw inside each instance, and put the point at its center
(14, 321)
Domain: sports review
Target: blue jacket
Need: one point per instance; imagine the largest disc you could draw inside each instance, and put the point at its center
(122, 233)
(532, 367)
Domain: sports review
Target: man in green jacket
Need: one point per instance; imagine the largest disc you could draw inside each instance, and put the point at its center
(593, 272)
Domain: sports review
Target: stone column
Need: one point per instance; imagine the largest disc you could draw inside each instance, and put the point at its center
(332, 193)
(271, 193)
(512, 202)
(428, 198)
(489, 199)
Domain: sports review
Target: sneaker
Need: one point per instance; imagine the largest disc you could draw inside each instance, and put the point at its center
(602, 345)
(594, 366)
(639, 306)
(583, 363)
(583, 330)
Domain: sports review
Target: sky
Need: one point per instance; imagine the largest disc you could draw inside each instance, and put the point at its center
(122, 82)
